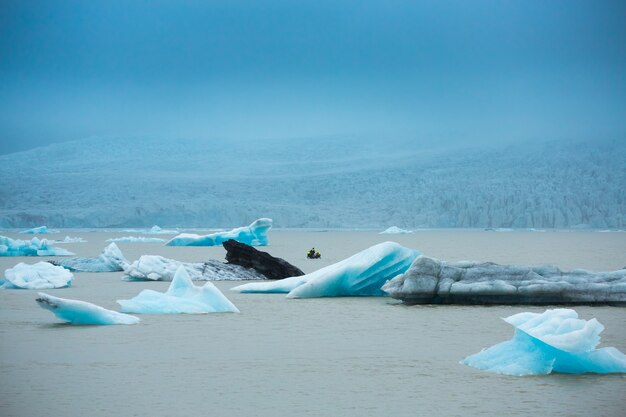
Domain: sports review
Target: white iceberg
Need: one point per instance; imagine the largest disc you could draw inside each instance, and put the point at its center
(81, 312)
(110, 260)
(154, 230)
(431, 281)
(158, 268)
(68, 239)
(553, 341)
(394, 230)
(135, 239)
(253, 235)
(39, 276)
(361, 274)
(39, 230)
(181, 297)
(33, 247)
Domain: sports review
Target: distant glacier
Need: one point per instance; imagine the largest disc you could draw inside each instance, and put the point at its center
(319, 182)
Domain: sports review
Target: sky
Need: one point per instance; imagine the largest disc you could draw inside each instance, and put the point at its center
(455, 71)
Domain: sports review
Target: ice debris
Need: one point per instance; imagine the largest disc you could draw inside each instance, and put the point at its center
(33, 247)
(395, 230)
(39, 230)
(552, 341)
(158, 268)
(39, 276)
(81, 312)
(431, 281)
(253, 235)
(110, 260)
(361, 274)
(68, 239)
(181, 297)
(135, 239)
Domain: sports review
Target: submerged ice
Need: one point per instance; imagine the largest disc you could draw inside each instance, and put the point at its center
(110, 260)
(553, 341)
(253, 235)
(81, 312)
(359, 275)
(33, 247)
(39, 276)
(181, 297)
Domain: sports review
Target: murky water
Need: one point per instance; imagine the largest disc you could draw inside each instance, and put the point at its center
(317, 357)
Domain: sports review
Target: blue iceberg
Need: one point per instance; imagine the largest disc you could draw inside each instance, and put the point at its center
(135, 239)
(110, 260)
(181, 297)
(39, 230)
(33, 247)
(81, 312)
(553, 341)
(39, 276)
(253, 235)
(361, 274)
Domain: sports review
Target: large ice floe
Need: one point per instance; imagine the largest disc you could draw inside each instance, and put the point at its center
(552, 341)
(361, 274)
(431, 281)
(395, 230)
(39, 230)
(39, 276)
(158, 268)
(253, 235)
(33, 247)
(110, 260)
(135, 239)
(181, 297)
(81, 312)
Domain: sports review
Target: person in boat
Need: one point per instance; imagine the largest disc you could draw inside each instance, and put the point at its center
(311, 253)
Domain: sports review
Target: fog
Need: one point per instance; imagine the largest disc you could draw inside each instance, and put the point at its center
(452, 71)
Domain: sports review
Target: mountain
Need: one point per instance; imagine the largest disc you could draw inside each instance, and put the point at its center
(313, 182)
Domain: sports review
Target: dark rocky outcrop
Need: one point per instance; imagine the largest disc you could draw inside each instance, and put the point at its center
(273, 268)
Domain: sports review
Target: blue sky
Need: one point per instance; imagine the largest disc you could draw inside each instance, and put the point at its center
(452, 71)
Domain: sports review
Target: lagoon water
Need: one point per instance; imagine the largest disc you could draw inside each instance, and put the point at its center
(311, 357)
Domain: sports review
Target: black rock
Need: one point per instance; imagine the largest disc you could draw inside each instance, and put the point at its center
(273, 268)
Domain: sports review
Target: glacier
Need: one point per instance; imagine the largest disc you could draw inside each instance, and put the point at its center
(552, 341)
(431, 281)
(39, 230)
(134, 239)
(395, 230)
(33, 247)
(253, 235)
(158, 268)
(110, 260)
(39, 276)
(362, 274)
(182, 296)
(82, 312)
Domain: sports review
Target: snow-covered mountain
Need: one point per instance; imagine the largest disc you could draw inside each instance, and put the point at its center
(317, 182)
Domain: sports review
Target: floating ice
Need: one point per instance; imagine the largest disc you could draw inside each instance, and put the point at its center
(134, 239)
(154, 230)
(430, 281)
(394, 230)
(39, 276)
(71, 240)
(81, 312)
(361, 274)
(39, 230)
(181, 297)
(553, 341)
(253, 235)
(33, 247)
(110, 260)
(158, 268)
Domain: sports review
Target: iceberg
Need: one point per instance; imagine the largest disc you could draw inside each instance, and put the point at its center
(110, 260)
(394, 230)
(39, 230)
(552, 341)
(431, 281)
(181, 297)
(361, 274)
(253, 235)
(134, 239)
(81, 312)
(158, 268)
(33, 247)
(68, 239)
(154, 230)
(39, 276)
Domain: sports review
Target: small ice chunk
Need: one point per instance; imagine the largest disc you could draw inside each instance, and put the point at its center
(81, 312)
(135, 239)
(395, 230)
(253, 235)
(39, 276)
